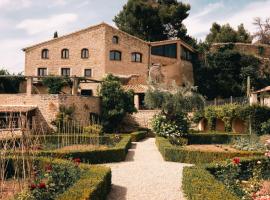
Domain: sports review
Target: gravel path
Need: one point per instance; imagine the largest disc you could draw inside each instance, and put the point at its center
(145, 175)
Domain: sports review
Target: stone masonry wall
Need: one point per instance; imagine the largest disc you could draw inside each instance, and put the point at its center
(48, 105)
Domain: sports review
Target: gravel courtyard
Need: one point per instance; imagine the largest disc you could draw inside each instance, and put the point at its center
(145, 175)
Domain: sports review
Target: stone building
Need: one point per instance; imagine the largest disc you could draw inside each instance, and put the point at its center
(99, 50)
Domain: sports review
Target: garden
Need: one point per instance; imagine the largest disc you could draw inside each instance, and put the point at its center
(227, 162)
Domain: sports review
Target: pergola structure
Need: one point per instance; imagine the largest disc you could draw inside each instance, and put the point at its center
(75, 80)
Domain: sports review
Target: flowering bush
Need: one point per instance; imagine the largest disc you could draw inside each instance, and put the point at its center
(175, 127)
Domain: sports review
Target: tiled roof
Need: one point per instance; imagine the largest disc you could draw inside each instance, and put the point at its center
(136, 88)
(23, 108)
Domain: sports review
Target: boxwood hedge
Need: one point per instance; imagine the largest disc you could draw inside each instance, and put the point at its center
(139, 135)
(180, 154)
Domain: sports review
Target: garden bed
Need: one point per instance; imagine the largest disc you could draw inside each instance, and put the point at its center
(193, 156)
(58, 180)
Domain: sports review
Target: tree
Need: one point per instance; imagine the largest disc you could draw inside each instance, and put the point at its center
(224, 74)
(225, 34)
(115, 104)
(9, 85)
(263, 30)
(154, 20)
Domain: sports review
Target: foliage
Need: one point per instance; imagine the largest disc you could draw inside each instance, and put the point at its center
(183, 155)
(115, 103)
(154, 20)
(224, 74)
(178, 141)
(64, 116)
(199, 184)
(256, 115)
(250, 143)
(9, 85)
(263, 30)
(55, 84)
(265, 127)
(166, 127)
(139, 135)
(225, 34)
(93, 129)
(95, 156)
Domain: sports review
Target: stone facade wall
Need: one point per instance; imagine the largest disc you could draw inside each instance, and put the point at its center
(48, 105)
(252, 49)
(143, 117)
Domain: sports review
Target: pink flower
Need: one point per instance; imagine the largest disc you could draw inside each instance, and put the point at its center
(33, 186)
(42, 186)
(77, 160)
(236, 161)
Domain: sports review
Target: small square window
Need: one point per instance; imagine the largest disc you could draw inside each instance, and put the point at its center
(42, 72)
(88, 72)
(65, 71)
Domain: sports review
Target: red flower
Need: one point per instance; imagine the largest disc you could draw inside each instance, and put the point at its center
(48, 168)
(77, 160)
(33, 186)
(42, 186)
(236, 161)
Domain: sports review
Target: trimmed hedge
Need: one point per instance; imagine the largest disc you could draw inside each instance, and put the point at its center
(180, 154)
(94, 182)
(96, 156)
(139, 135)
(199, 184)
(212, 138)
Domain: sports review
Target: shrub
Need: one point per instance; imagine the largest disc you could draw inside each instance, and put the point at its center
(95, 156)
(265, 127)
(163, 126)
(55, 84)
(180, 154)
(249, 143)
(93, 129)
(178, 141)
(199, 184)
(139, 135)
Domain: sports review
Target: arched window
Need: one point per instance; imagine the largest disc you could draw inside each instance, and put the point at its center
(115, 40)
(65, 54)
(45, 54)
(85, 53)
(136, 57)
(115, 55)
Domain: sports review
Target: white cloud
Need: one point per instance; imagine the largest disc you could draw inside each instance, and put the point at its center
(198, 25)
(15, 4)
(59, 22)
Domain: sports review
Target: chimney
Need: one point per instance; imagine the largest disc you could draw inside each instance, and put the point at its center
(55, 35)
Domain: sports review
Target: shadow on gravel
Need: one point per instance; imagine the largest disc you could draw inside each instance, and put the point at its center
(117, 193)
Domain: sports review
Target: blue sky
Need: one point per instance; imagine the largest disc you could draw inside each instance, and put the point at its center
(25, 22)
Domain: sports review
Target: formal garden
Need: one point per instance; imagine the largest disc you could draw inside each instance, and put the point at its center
(227, 164)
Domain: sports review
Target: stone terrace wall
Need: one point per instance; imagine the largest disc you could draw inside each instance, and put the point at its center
(253, 49)
(143, 117)
(48, 105)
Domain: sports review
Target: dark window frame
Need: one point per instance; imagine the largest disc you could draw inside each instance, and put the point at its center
(84, 53)
(65, 54)
(186, 54)
(90, 73)
(166, 50)
(67, 70)
(45, 53)
(40, 71)
(115, 55)
(136, 57)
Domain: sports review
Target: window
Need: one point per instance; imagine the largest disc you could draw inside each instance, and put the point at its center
(65, 71)
(65, 54)
(115, 55)
(186, 54)
(168, 50)
(85, 54)
(45, 54)
(88, 72)
(42, 72)
(115, 40)
(136, 57)
(87, 92)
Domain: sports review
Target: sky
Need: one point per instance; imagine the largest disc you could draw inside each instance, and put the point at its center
(26, 22)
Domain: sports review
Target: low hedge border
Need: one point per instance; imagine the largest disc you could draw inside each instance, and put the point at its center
(94, 182)
(139, 135)
(114, 154)
(199, 184)
(179, 154)
(212, 138)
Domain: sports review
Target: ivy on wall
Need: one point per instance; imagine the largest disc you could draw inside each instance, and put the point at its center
(255, 115)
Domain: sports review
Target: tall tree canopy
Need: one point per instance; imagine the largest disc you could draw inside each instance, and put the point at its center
(225, 33)
(154, 20)
(263, 30)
